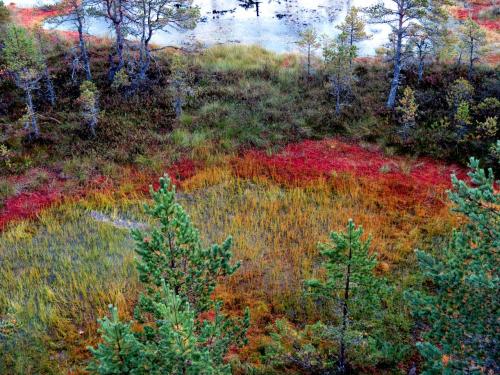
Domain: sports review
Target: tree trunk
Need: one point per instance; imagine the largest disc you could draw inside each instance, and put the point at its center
(391, 101)
(35, 130)
(51, 93)
(116, 67)
(471, 59)
(178, 103)
(309, 60)
(420, 70)
(83, 50)
(337, 100)
(342, 369)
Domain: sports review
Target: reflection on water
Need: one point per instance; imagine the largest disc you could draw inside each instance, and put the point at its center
(273, 24)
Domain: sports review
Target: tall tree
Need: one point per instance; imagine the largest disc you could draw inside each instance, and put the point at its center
(354, 28)
(400, 15)
(179, 275)
(472, 39)
(337, 54)
(75, 12)
(150, 16)
(24, 62)
(114, 11)
(461, 299)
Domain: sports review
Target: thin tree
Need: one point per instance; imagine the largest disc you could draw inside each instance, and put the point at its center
(75, 12)
(472, 39)
(4, 14)
(114, 11)
(50, 90)
(354, 27)
(400, 16)
(337, 53)
(309, 42)
(350, 281)
(89, 99)
(420, 43)
(150, 16)
(407, 111)
(24, 62)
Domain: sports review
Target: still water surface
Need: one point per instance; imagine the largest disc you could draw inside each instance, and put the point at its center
(273, 24)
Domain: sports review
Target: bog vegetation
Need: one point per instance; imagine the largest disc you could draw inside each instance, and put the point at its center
(229, 210)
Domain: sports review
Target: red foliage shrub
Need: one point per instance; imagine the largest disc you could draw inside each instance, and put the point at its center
(27, 205)
(475, 13)
(302, 163)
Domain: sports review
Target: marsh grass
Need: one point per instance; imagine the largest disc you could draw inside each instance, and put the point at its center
(60, 272)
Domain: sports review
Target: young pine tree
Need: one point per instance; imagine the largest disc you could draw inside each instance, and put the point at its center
(89, 98)
(24, 62)
(4, 14)
(472, 40)
(337, 54)
(354, 28)
(361, 322)
(180, 276)
(309, 42)
(407, 110)
(181, 346)
(351, 282)
(461, 300)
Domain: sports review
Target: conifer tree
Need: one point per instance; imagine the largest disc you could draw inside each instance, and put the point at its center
(337, 53)
(309, 42)
(461, 300)
(357, 326)
(351, 282)
(76, 12)
(407, 110)
(181, 345)
(50, 92)
(421, 44)
(472, 39)
(147, 17)
(24, 62)
(180, 276)
(173, 252)
(401, 15)
(354, 28)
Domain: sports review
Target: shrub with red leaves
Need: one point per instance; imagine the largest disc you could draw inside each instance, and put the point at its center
(305, 162)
